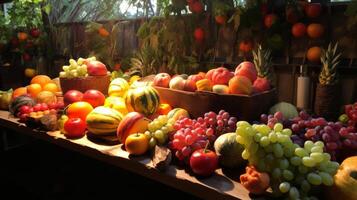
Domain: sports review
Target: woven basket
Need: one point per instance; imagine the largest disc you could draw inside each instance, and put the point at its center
(100, 83)
(327, 101)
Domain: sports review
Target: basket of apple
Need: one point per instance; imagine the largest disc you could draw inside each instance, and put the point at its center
(244, 92)
(85, 74)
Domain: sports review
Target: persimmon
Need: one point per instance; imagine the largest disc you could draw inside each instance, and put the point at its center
(41, 79)
(79, 109)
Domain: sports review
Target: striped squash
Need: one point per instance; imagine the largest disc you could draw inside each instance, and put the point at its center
(144, 99)
(176, 113)
(204, 85)
(118, 87)
(103, 121)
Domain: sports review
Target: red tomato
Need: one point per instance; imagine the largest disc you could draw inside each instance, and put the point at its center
(203, 162)
(75, 128)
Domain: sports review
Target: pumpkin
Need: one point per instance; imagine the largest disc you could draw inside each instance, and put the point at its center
(288, 110)
(345, 181)
(229, 151)
(103, 121)
(177, 113)
(20, 101)
(118, 87)
(143, 99)
(204, 85)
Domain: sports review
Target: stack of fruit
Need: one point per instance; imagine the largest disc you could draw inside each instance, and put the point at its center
(245, 80)
(83, 68)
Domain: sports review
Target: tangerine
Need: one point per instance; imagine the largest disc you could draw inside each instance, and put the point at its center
(19, 91)
(313, 54)
(315, 30)
(34, 89)
(41, 79)
(79, 109)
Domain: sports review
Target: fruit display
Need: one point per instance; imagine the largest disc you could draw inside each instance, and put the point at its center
(293, 170)
(243, 81)
(103, 121)
(76, 69)
(143, 99)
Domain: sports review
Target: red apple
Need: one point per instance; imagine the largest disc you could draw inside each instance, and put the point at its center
(72, 96)
(195, 77)
(190, 85)
(298, 30)
(35, 32)
(246, 69)
(313, 10)
(75, 128)
(261, 85)
(221, 76)
(162, 80)
(269, 20)
(94, 98)
(177, 83)
(199, 34)
(203, 162)
(96, 68)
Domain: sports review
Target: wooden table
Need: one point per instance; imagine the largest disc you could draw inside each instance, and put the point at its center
(218, 186)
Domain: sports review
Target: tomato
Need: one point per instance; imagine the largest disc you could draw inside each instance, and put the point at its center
(79, 109)
(75, 128)
(203, 162)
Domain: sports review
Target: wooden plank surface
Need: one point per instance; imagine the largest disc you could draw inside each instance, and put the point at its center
(218, 186)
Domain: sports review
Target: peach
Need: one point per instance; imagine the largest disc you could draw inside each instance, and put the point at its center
(246, 69)
(240, 85)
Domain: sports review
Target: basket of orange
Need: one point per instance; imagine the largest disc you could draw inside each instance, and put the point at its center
(83, 75)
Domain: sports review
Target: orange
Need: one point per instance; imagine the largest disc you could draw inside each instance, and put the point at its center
(315, 30)
(19, 91)
(34, 89)
(313, 54)
(79, 109)
(29, 72)
(103, 32)
(41, 79)
(22, 36)
(52, 87)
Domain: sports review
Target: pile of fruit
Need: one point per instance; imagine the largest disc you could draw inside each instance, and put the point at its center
(244, 80)
(83, 68)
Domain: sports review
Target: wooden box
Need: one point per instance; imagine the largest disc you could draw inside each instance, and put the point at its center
(100, 83)
(197, 103)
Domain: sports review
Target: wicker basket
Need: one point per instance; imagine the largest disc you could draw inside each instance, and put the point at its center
(100, 83)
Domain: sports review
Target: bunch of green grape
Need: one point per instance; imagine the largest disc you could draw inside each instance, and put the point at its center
(293, 170)
(76, 69)
(158, 130)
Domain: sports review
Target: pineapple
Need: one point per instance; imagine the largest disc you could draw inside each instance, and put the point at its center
(262, 62)
(329, 59)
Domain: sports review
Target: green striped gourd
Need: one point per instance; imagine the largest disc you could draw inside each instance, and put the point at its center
(143, 99)
(118, 87)
(103, 121)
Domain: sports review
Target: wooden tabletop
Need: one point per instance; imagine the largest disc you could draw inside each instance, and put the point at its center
(218, 186)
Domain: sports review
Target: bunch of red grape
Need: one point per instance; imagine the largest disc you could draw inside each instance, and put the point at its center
(335, 135)
(193, 134)
(350, 116)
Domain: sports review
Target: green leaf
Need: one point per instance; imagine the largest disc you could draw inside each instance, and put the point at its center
(47, 8)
